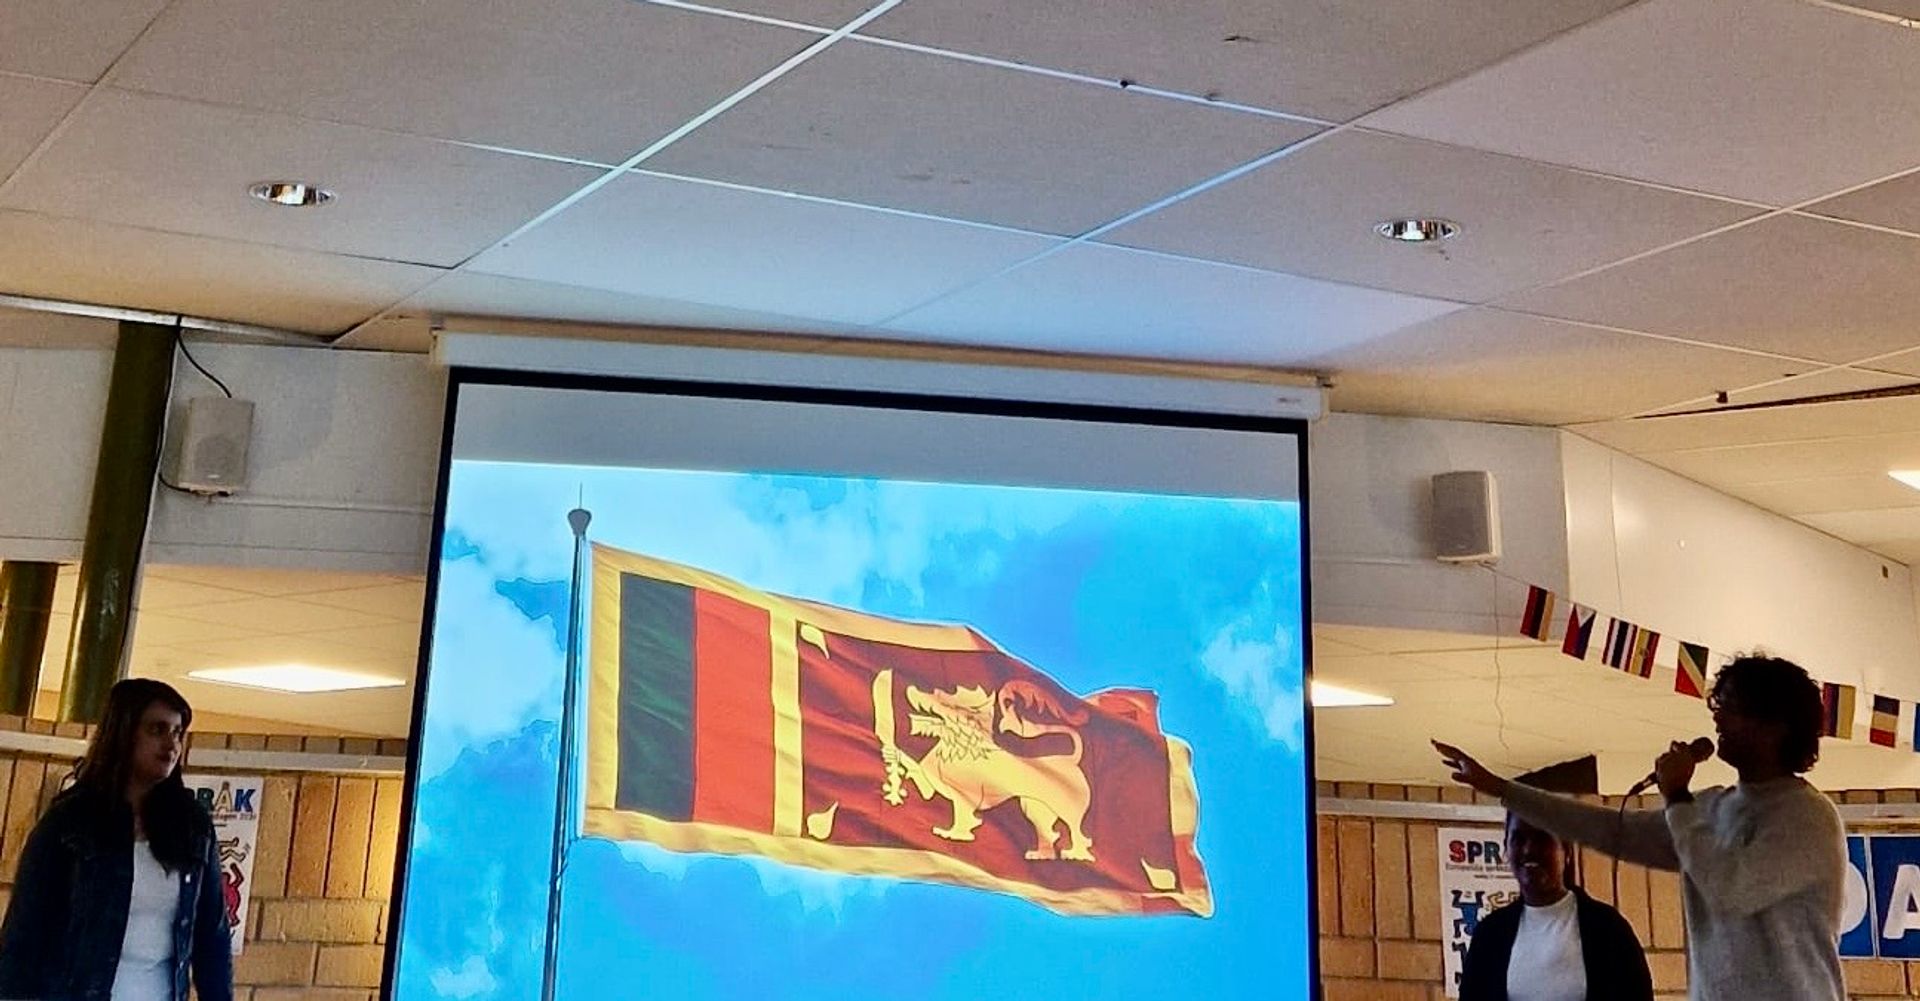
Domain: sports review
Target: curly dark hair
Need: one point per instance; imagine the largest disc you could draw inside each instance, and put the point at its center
(1775, 690)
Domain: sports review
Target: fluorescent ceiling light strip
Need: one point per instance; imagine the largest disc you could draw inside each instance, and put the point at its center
(300, 679)
(1331, 696)
(1910, 477)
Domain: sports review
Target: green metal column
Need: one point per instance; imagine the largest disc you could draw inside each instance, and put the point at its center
(117, 519)
(26, 606)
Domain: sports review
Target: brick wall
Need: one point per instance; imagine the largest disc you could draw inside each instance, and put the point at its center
(1379, 910)
(316, 925)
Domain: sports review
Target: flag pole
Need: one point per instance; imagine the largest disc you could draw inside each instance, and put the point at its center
(563, 820)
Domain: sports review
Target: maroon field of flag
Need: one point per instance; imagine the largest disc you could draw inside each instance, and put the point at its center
(1579, 632)
(1885, 726)
(1537, 621)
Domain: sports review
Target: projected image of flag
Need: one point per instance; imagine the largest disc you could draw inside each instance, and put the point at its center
(728, 720)
(1579, 632)
(1837, 705)
(1886, 721)
(1537, 621)
(1690, 674)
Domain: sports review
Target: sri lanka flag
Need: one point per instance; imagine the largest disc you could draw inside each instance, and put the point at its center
(728, 720)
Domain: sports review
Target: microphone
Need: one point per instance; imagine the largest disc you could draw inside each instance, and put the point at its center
(1701, 749)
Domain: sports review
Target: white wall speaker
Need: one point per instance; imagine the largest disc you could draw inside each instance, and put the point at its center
(1466, 517)
(212, 454)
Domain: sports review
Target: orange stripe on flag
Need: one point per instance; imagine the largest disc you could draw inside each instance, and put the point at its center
(733, 718)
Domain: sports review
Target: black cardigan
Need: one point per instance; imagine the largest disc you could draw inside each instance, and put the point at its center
(1616, 966)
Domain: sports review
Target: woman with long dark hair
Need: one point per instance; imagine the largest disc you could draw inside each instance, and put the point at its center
(118, 895)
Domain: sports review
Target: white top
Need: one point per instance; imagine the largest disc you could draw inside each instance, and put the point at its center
(1547, 963)
(146, 953)
(1766, 871)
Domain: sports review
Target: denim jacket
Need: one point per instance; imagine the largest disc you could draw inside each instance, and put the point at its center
(68, 915)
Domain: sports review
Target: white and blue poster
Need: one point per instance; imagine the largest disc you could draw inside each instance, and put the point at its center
(1894, 867)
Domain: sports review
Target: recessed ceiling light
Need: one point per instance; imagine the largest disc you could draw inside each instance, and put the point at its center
(301, 679)
(1417, 230)
(292, 194)
(1911, 477)
(1331, 696)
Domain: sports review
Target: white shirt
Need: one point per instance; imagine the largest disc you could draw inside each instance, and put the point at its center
(1547, 963)
(146, 953)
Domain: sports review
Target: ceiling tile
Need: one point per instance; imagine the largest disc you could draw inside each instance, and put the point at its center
(1818, 383)
(819, 13)
(1905, 550)
(650, 236)
(29, 110)
(1898, 8)
(162, 629)
(1329, 60)
(1812, 422)
(399, 198)
(911, 131)
(1868, 527)
(1788, 284)
(1094, 299)
(1894, 204)
(1827, 494)
(276, 616)
(1484, 364)
(1523, 223)
(1905, 364)
(70, 39)
(1797, 461)
(273, 582)
(598, 79)
(399, 599)
(1696, 94)
(400, 639)
(141, 269)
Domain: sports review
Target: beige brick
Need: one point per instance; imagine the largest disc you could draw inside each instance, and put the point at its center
(1352, 790)
(209, 742)
(56, 775)
(1423, 794)
(1423, 872)
(1422, 961)
(1666, 910)
(393, 747)
(352, 826)
(1373, 990)
(69, 730)
(310, 994)
(248, 742)
(43, 727)
(1322, 789)
(350, 966)
(277, 796)
(312, 836)
(1346, 957)
(384, 840)
(329, 921)
(23, 809)
(380, 930)
(1596, 875)
(1456, 794)
(1390, 904)
(365, 746)
(1327, 873)
(1356, 877)
(1669, 970)
(1860, 796)
(284, 742)
(1875, 976)
(1390, 793)
(275, 964)
(1903, 795)
(321, 745)
(1633, 899)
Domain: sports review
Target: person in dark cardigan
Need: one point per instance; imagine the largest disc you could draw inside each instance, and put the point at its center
(1555, 943)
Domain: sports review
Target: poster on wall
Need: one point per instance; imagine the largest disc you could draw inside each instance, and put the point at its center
(1474, 880)
(1856, 917)
(234, 802)
(1894, 861)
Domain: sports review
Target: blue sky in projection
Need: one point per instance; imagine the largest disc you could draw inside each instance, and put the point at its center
(1195, 598)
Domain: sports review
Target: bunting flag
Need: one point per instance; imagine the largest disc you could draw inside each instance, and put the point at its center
(1690, 677)
(1646, 643)
(1621, 637)
(1837, 703)
(1886, 721)
(734, 721)
(1579, 632)
(1537, 621)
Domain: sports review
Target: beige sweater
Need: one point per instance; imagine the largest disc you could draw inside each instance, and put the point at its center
(1765, 867)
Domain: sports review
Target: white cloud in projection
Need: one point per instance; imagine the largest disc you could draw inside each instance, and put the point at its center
(507, 665)
(814, 891)
(1256, 668)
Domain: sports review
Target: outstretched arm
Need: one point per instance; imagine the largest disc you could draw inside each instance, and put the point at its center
(1638, 836)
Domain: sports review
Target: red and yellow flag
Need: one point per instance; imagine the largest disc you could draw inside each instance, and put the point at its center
(728, 720)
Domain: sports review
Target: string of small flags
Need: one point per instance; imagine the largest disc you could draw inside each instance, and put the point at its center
(1632, 648)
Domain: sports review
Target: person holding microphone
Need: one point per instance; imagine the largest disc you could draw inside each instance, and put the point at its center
(1764, 861)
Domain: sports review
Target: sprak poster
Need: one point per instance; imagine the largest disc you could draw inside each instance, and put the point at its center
(1474, 881)
(234, 803)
